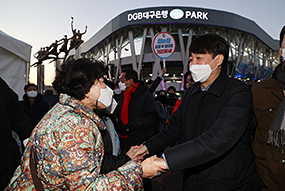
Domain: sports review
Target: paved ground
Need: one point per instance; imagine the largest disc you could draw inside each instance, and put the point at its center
(168, 182)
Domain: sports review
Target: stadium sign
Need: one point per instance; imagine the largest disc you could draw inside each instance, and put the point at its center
(175, 14)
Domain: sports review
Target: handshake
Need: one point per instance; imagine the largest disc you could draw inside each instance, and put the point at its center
(151, 166)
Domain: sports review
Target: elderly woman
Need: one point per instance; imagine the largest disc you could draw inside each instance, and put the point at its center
(65, 150)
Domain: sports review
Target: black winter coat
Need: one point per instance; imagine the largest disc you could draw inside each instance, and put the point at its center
(37, 110)
(13, 118)
(143, 116)
(216, 153)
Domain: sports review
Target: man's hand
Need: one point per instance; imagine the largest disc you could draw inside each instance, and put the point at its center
(163, 71)
(138, 152)
(131, 153)
(161, 164)
(150, 169)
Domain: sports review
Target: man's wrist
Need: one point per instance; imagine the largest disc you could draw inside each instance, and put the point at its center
(163, 156)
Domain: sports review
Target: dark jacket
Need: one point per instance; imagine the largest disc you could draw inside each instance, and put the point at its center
(12, 118)
(215, 128)
(143, 116)
(267, 96)
(163, 116)
(155, 84)
(35, 111)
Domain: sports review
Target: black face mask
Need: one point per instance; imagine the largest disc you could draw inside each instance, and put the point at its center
(171, 94)
(162, 99)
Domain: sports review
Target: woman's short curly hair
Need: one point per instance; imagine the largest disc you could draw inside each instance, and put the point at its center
(76, 77)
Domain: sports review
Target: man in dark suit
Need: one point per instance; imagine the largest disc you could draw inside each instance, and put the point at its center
(213, 121)
(13, 118)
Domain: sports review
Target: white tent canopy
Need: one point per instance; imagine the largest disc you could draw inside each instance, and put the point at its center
(14, 62)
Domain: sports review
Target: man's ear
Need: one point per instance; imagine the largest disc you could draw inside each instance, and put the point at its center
(220, 59)
(132, 81)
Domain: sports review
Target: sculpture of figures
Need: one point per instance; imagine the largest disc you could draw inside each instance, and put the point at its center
(52, 52)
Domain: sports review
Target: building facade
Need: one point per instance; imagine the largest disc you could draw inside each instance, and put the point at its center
(126, 41)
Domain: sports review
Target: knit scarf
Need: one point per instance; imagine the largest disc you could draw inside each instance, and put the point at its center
(125, 105)
(278, 124)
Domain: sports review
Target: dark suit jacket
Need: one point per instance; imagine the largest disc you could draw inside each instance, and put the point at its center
(216, 153)
(13, 118)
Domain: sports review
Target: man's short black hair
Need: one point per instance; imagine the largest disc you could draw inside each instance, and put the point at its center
(29, 85)
(212, 44)
(131, 74)
(76, 77)
(171, 88)
(282, 35)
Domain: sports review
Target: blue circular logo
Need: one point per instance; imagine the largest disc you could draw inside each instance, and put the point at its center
(176, 14)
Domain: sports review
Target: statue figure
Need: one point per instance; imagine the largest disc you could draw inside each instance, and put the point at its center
(76, 39)
(53, 49)
(64, 45)
(41, 55)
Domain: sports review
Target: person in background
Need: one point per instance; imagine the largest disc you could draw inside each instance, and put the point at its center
(214, 123)
(112, 158)
(136, 114)
(152, 85)
(163, 111)
(117, 91)
(188, 81)
(65, 150)
(14, 119)
(33, 104)
(163, 114)
(269, 137)
(171, 98)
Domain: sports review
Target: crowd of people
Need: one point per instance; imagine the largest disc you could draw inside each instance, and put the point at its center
(222, 134)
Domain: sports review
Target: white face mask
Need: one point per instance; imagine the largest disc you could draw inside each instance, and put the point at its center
(200, 73)
(105, 96)
(122, 86)
(112, 107)
(283, 53)
(32, 94)
(117, 91)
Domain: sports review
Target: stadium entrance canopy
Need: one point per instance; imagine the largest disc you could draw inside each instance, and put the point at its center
(126, 42)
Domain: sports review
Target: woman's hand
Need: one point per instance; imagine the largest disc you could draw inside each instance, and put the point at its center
(151, 166)
(137, 152)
